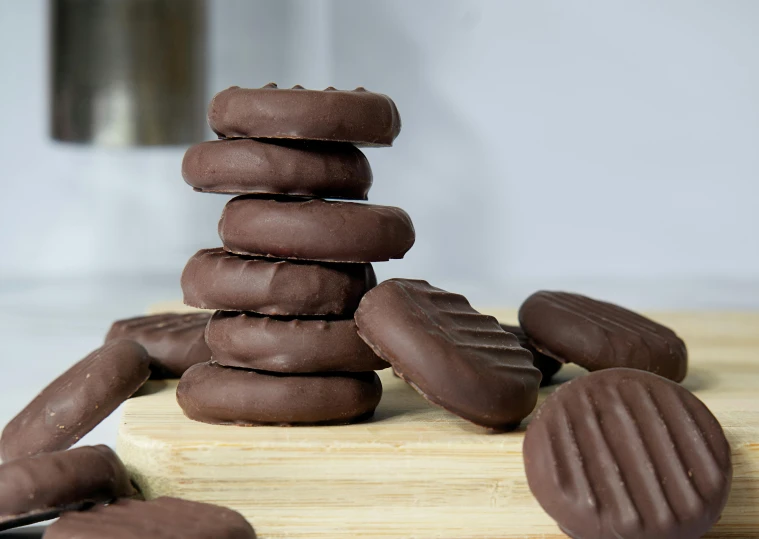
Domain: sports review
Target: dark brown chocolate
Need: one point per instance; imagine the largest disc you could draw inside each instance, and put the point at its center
(215, 279)
(547, 366)
(454, 356)
(626, 453)
(220, 395)
(174, 341)
(33, 489)
(597, 335)
(315, 229)
(77, 401)
(311, 169)
(162, 518)
(361, 117)
(289, 345)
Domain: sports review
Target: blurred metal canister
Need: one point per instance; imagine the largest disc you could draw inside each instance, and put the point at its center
(128, 72)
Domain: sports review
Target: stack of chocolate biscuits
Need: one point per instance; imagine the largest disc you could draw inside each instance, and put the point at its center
(294, 265)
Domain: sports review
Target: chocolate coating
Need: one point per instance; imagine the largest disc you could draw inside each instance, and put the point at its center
(33, 489)
(289, 345)
(77, 401)
(454, 356)
(311, 169)
(174, 341)
(547, 366)
(626, 453)
(315, 230)
(226, 396)
(215, 279)
(598, 335)
(162, 518)
(361, 117)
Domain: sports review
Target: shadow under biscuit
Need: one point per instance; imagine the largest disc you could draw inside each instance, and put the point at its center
(151, 387)
(32, 532)
(699, 380)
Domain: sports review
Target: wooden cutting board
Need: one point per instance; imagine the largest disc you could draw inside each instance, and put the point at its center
(416, 471)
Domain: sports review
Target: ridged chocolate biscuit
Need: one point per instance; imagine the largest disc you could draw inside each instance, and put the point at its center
(33, 489)
(361, 117)
(547, 366)
(77, 401)
(598, 335)
(174, 341)
(626, 453)
(162, 518)
(289, 345)
(220, 395)
(311, 169)
(454, 356)
(315, 229)
(215, 279)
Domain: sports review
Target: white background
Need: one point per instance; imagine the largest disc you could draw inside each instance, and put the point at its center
(606, 147)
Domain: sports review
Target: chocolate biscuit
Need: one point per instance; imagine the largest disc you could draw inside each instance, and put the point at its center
(547, 366)
(162, 518)
(77, 401)
(33, 489)
(220, 395)
(315, 229)
(597, 335)
(626, 453)
(310, 169)
(455, 357)
(215, 279)
(174, 341)
(361, 117)
(289, 345)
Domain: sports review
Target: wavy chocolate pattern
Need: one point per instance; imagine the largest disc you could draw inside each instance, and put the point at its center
(454, 356)
(625, 453)
(599, 335)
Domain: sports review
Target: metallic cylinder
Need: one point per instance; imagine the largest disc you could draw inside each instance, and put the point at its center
(128, 72)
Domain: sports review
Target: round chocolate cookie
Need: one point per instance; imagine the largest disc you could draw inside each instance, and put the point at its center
(215, 279)
(289, 345)
(311, 169)
(626, 453)
(161, 518)
(220, 395)
(598, 335)
(77, 401)
(174, 341)
(33, 489)
(315, 229)
(547, 366)
(455, 357)
(361, 117)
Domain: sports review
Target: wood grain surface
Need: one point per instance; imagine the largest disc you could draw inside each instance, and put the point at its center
(416, 471)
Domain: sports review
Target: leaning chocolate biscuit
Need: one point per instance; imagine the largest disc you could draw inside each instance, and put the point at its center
(626, 453)
(547, 366)
(315, 229)
(455, 357)
(162, 518)
(174, 341)
(77, 401)
(215, 279)
(361, 117)
(33, 489)
(289, 345)
(311, 169)
(220, 395)
(598, 335)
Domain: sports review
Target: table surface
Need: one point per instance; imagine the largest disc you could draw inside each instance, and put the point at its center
(355, 480)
